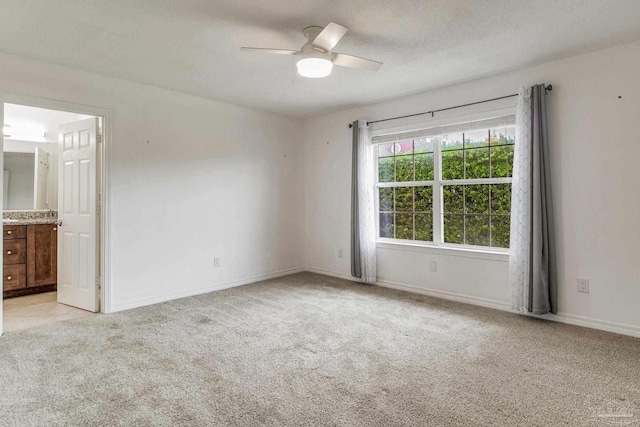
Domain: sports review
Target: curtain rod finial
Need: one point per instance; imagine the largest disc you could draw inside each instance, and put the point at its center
(549, 88)
(350, 125)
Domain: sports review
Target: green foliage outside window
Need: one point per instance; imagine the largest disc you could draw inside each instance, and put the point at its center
(475, 214)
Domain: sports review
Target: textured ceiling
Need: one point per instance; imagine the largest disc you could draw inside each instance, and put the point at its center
(193, 46)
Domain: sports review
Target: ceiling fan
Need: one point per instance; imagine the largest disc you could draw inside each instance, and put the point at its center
(317, 59)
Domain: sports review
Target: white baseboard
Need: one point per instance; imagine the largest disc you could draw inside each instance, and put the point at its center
(499, 305)
(587, 322)
(215, 287)
(330, 273)
(467, 299)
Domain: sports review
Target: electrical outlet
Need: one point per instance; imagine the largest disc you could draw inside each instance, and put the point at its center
(340, 253)
(216, 261)
(433, 266)
(583, 286)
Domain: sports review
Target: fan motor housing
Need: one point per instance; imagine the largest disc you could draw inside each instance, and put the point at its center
(312, 32)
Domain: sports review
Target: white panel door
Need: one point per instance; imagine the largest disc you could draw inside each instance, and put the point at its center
(77, 244)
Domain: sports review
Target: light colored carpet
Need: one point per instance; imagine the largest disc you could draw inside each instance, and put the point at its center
(312, 350)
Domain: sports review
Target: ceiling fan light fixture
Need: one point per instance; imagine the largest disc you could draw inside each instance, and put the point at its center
(314, 67)
(316, 55)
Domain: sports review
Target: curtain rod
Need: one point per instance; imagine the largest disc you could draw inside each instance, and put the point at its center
(549, 88)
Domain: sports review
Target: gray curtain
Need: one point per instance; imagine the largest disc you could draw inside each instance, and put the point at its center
(543, 284)
(356, 265)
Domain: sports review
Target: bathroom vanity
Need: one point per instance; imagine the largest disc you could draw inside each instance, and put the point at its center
(30, 254)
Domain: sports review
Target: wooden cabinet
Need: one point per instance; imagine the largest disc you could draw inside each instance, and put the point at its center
(15, 232)
(15, 252)
(42, 260)
(15, 277)
(30, 259)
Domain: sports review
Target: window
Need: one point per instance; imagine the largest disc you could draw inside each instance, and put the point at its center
(447, 185)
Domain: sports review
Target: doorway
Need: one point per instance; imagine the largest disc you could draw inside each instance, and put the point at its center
(54, 176)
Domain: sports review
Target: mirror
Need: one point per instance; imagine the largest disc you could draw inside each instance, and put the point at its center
(18, 181)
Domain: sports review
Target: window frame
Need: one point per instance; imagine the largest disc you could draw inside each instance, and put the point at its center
(437, 185)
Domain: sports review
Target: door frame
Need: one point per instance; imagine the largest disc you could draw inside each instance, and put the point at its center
(105, 174)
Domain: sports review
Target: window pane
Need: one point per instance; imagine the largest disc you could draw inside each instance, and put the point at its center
(500, 231)
(423, 145)
(501, 199)
(385, 169)
(452, 141)
(404, 199)
(454, 228)
(403, 147)
(503, 135)
(385, 150)
(424, 167)
(477, 163)
(404, 226)
(453, 164)
(477, 199)
(404, 168)
(478, 138)
(424, 227)
(502, 161)
(424, 199)
(453, 198)
(386, 225)
(477, 230)
(386, 199)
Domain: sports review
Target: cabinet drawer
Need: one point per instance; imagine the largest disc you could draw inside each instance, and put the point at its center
(14, 277)
(14, 252)
(14, 232)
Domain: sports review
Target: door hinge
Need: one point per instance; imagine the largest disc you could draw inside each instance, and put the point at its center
(98, 208)
(98, 281)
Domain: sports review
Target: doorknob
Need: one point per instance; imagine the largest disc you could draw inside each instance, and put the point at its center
(8, 277)
(8, 252)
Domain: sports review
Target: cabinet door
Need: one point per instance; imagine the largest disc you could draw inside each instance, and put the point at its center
(14, 277)
(42, 258)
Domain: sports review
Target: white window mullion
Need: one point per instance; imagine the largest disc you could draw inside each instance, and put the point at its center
(437, 192)
(477, 181)
(404, 184)
(376, 193)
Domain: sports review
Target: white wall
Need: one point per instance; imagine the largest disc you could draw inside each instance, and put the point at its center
(594, 110)
(190, 179)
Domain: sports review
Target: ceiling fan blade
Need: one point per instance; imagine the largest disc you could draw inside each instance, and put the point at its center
(351, 61)
(330, 36)
(267, 50)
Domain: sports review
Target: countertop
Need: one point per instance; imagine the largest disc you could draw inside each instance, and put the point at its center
(31, 221)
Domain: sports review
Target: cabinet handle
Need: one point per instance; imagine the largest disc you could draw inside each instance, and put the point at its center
(8, 277)
(9, 232)
(55, 228)
(8, 252)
